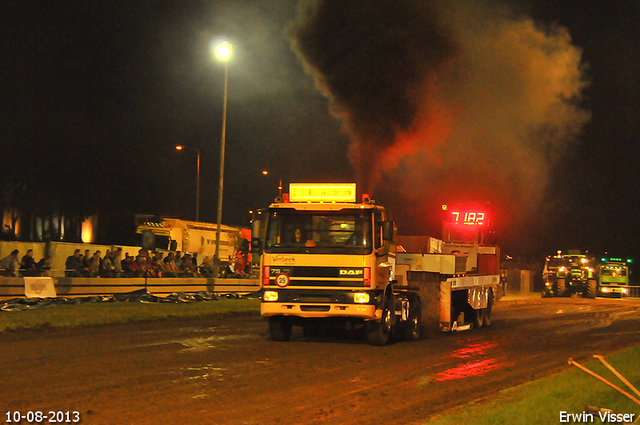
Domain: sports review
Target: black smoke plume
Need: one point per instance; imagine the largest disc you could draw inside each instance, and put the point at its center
(448, 100)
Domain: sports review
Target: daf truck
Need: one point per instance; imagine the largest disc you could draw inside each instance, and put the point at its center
(326, 258)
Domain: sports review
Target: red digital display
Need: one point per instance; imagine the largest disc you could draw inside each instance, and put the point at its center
(469, 218)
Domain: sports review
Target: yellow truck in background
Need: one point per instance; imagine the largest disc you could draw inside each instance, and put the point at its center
(172, 234)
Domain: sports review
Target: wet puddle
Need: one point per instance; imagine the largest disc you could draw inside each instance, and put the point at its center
(480, 361)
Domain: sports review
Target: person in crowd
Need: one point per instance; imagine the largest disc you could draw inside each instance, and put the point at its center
(127, 264)
(206, 268)
(9, 264)
(135, 269)
(72, 266)
(159, 265)
(43, 266)
(188, 268)
(117, 262)
(178, 260)
(95, 265)
(85, 263)
(28, 264)
(146, 270)
(240, 263)
(107, 265)
(171, 265)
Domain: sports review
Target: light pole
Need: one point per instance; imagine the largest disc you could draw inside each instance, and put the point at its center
(179, 148)
(223, 52)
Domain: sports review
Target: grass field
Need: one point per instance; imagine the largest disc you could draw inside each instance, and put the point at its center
(542, 401)
(68, 315)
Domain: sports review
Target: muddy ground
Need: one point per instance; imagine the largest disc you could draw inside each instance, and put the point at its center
(225, 370)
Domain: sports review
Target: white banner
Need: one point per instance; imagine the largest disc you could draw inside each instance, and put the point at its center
(39, 287)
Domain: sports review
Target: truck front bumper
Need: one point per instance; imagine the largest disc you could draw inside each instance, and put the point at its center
(364, 311)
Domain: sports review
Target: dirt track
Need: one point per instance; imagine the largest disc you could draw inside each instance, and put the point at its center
(225, 370)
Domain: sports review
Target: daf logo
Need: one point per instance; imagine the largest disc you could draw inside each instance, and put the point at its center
(344, 272)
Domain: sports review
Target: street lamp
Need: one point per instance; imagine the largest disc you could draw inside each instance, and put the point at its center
(266, 173)
(223, 52)
(179, 148)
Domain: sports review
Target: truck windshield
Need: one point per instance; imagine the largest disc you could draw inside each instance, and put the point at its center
(614, 272)
(325, 232)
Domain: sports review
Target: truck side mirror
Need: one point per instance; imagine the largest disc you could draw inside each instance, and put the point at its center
(387, 230)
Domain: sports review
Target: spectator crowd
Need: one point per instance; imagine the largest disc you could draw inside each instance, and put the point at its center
(10, 265)
(148, 264)
(113, 264)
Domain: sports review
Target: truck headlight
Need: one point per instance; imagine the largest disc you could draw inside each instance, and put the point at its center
(270, 296)
(624, 291)
(605, 289)
(361, 297)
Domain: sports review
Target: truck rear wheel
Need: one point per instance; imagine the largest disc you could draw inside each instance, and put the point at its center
(414, 322)
(560, 288)
(591, 289)
(478, 317)
(378, 332)
(280, 328)
(487, 311)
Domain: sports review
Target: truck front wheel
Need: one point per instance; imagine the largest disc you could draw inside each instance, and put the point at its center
(280, 328)
(378, 332)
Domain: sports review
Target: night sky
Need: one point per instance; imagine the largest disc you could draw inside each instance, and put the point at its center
(531, 106)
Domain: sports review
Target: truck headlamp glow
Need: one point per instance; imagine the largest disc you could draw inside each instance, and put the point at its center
(624, 291)
(361, 298)
(270, 296)
(605, 289)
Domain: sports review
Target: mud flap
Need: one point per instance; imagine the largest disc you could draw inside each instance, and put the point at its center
(445, 307)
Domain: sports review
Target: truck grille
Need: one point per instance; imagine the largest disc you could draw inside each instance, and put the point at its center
(315, 307)
(304, 299)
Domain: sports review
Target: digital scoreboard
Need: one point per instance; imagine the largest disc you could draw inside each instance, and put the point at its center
(466, 217)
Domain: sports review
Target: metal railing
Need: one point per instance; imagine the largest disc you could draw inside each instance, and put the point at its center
(634, 292)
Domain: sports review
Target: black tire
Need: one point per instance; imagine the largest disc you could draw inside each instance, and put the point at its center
(591, 290)
(487, 311)
(378, 332)
(478, 317)
(560, 288)
(280, 328)
(414, 322)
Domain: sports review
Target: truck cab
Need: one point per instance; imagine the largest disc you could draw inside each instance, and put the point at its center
(324, 256)
(614, 277)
